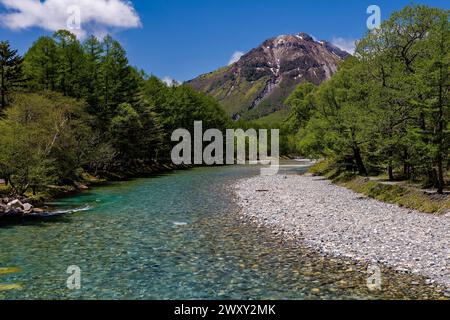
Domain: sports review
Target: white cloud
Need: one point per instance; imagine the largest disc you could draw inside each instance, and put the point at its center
(170, 81)
(348, 45)
(235, 57)
(94, 16)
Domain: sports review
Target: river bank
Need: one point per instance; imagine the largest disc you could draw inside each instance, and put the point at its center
(405, 193)
(341, 223)
(33, 206)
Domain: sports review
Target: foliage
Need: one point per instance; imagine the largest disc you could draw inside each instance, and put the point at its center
(85, 109)
(387, 107)
(11, 75)
(39, 140)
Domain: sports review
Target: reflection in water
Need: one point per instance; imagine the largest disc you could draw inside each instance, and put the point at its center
(176, 237)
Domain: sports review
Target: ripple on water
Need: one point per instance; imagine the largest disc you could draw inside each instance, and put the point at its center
(177, 237)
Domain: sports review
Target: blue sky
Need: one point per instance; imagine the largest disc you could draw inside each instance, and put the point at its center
(182, 39)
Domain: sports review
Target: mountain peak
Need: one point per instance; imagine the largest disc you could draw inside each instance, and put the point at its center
(263, 78)
(304, 36)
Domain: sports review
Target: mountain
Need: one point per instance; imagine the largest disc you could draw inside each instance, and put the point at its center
(259, 83)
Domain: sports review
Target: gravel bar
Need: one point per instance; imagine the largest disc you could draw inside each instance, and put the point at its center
(339, 222)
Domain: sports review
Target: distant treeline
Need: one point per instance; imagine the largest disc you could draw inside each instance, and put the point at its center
(387, 108)
(68, 107)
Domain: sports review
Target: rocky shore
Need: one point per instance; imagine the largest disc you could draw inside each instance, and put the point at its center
(341, 223)
(10, 207)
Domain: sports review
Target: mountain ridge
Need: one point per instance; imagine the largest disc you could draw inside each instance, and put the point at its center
(259, 82)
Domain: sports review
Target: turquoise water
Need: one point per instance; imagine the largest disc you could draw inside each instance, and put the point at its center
(175, 236)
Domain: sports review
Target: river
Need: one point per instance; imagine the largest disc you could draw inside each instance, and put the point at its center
(174, 236)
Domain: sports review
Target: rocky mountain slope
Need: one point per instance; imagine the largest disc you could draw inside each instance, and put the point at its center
(262, 79)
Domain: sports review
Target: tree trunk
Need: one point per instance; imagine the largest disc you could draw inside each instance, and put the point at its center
(440, 176)
(390, 172)
(2, 89)
(406, 170)
(390, 167)
(432, 178)
(359, 162)
(406, 165)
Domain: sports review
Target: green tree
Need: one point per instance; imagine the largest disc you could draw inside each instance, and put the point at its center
(92, 79)
(433, 78)
(44, 139)
(401, 58)
(339, 123)
(126, 128)
(120, 81)
(71, 63)
(23, 164)
(10, 72)
(41, 64)
(301, 103)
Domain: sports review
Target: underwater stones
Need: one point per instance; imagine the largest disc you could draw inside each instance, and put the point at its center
(315, 290)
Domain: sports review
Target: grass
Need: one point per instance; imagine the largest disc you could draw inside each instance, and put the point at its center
(3, 189)
(401, 194)
(275, 118)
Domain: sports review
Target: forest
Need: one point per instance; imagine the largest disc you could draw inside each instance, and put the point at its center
(386, 111)
(70, 108)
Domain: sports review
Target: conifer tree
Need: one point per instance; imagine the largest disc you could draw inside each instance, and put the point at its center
(10, 72)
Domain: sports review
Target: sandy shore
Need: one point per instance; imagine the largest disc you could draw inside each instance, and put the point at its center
(340, 222)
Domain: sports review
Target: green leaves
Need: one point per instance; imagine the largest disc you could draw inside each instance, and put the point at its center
(11, 75)
(37, 140)
(389, 103)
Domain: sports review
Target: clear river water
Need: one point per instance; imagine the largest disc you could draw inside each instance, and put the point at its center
(176, 236)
